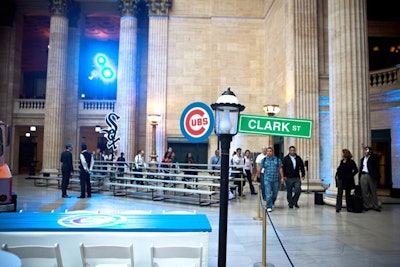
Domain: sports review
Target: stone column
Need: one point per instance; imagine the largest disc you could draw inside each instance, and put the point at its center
(157, 71)
(56, 84)
(72, 98)
(125, 105)
(304, 94)
(10, 69)
(348, 82)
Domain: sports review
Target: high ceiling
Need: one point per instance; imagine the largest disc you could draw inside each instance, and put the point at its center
(100, 19)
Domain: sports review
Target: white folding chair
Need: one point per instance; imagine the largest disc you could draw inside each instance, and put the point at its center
(107, 255)
(35, 255)
(176, 256)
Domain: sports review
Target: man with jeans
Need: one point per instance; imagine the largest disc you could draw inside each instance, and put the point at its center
(259, 177)
(272, 172)
(292, 166)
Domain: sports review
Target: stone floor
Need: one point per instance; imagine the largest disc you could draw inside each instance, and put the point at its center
(313, 235)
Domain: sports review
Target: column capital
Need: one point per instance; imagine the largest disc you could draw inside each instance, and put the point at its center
(128, 7)
(59, 7)
(159, 7)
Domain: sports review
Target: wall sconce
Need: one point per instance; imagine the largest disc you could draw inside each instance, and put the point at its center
(271, 109)
(33, 128)
(97, 129)
(27, 134)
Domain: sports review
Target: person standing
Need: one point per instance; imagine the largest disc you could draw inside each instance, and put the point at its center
(139, 165)
(248, 167)
(369, 176)
(85, 167)
(238, 162)
(67, 168)
(189, 165)
(121, 162)
(272, 172)
(292, 166)
(345, 179)
(259, 177)
(215, 162)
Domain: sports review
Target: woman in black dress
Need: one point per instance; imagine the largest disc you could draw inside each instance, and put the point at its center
(345, 179)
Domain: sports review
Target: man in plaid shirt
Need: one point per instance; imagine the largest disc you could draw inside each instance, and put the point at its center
(273, 174)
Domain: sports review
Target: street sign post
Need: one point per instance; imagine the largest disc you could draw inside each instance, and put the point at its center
(252, 124)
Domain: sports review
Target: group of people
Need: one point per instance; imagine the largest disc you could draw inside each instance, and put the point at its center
(271, 172)
(368, 173)
(86, 163)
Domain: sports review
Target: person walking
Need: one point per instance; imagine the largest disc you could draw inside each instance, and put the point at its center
(259, 177)
(67, 168)
(85, 167)
(272, 172)
(345, 179)
(293, 165)
(369, 176)
(248, 168)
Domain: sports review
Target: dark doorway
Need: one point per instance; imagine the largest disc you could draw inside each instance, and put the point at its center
(27, 154)
(381, 144)
(181, 147)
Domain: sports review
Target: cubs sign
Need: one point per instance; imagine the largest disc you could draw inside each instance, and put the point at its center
(197, 122)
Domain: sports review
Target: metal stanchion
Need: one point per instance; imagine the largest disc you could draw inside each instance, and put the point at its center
(241, 187)
(263, 262)
(258, 218)
(308, 179)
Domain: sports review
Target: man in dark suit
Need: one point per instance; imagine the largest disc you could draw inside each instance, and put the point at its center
(293, 167)
(66, 168)
(369, 176)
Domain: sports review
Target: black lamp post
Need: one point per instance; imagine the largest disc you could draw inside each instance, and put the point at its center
(227, 109)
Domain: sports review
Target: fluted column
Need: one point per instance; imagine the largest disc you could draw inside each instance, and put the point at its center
(10, 47)
(348, 80)
(71, 104)
(157, 70)
(56, 85)
(126, 83)
(305, 91)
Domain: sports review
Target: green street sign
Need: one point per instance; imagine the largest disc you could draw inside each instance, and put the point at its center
(253, 124)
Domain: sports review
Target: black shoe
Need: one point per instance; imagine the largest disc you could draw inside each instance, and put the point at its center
(254, 193)
(81, 197)
(297, 206)
(337, 211)
(66, 196)
(290, 206)
(89, 195)
(377, 209)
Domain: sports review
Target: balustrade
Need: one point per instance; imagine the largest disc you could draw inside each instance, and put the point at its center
(384, 77)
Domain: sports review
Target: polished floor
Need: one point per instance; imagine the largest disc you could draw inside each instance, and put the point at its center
(313, 235)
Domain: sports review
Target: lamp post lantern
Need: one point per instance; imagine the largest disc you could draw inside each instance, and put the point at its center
(227, 110)
(154, 120)
(271, 110)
